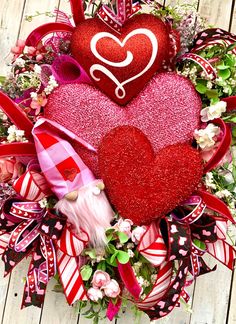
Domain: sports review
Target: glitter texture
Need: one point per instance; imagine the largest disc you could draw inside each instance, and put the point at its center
(143, 186)
(167, 111)
(139, 46)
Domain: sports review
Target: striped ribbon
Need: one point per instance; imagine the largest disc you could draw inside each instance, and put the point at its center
(32, 185)
(69, 248)
(204, 64)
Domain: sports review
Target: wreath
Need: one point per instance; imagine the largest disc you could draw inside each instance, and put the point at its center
(117, 168)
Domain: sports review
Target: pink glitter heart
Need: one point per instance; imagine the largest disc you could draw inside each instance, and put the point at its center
(166, 110)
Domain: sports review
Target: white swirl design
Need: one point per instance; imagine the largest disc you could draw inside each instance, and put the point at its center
(120, 91)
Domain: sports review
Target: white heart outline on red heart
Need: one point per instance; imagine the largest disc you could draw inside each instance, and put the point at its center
(127, 61)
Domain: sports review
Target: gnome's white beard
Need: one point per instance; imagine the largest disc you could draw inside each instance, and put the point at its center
(91, 211)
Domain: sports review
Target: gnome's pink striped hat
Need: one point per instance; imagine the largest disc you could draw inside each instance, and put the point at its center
(60, 164)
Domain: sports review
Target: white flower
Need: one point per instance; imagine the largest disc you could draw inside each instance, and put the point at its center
(204, 137)
(124, 225)
(94, 294)
(223, 193)
(112, 289)
(34, 95)
(52, 84)
(137, 233)
(209, 180)
(228, 176)
(153, 278)
(43, 203)
(19, 62)
(130, 245)
(3, 116)
(37, 69)
(15, 135)
(140, 280)
(213, 111)
(130, 253)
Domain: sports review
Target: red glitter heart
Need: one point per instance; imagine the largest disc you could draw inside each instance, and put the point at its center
(167, 111)
(121, 65)
(141, 185)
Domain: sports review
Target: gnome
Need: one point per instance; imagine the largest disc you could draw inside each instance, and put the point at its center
(81, 196)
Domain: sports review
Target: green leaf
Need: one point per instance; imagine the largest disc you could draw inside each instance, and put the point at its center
(122, 237)
(201, 88)
(111, 248)
(224, 74)
(231, 47)
(230, 119)
(111, 262)
(109, 237)
(123, 257)
(212, 93)
(113, 257)
(2, 78)
(86, 272)
(201, 245)
(234, 131)
(222, 66)
(234, 172)
(230, 60)
(101, 266)
(91, 253)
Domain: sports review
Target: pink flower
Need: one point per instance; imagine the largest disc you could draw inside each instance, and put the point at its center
(19, 48)
(94, 294)
(31, 50)
(124, 225)
(10, 169)
(112, 289)
(100, 278)
(39, 102)
(207, 155)
(137, 233)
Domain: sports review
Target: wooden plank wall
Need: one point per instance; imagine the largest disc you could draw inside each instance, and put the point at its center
(214, 295)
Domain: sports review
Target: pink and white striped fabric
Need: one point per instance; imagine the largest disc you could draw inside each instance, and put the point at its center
(32, 186)
(160, 287)
(4, 239)
(69, 248)
(223, 252)
(60, 164)
(152, 245)
(71, 244)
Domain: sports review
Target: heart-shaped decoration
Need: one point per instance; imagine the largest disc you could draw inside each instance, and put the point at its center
(120, 65)
(167, 111)
(141, 185)
(70, 174)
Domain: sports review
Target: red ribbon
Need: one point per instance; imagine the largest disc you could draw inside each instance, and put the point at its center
(231, 103)
(16, 115)
(37, 34)
(77, 10)
(222, 148)
(129, 279)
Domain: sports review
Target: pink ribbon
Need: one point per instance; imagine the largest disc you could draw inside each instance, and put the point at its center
(125, 9)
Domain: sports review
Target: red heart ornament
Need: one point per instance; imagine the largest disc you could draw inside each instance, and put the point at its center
(141, 185)
(167, 111)
(120, 65)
